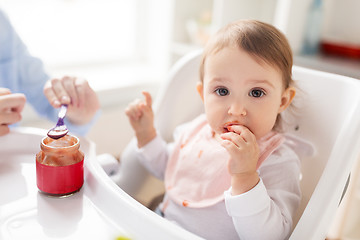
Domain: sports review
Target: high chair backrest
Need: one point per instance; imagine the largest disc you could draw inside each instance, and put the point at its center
(327, 116)
(178, 100)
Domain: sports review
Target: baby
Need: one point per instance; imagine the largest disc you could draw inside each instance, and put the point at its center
(231, 173)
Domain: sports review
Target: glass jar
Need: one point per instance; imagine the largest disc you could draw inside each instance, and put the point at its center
(60, 166)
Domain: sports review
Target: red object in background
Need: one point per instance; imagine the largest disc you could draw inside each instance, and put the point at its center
(350, 51)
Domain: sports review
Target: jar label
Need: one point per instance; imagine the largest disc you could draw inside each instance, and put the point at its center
(60, 180)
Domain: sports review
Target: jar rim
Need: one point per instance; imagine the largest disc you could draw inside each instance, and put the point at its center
(44, 144)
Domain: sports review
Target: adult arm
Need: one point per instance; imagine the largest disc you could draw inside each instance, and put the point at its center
(21, 72)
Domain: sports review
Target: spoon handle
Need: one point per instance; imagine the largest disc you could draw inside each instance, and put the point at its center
(61, 115)
(62, 111)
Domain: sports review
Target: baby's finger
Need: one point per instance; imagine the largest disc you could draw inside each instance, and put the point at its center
(236, 128)
(235, 138)
(243, 131)
(148, 99)
(131, 115)
(230, 147)
(133, 110)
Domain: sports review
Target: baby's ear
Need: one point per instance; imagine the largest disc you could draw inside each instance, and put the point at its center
(286, 98)
(200, 89)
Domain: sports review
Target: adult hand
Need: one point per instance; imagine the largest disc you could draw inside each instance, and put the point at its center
(82, 100)
(11, 106)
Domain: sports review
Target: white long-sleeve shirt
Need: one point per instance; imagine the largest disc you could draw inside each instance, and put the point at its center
(264, 212)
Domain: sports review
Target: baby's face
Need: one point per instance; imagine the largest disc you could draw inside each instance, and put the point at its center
(237, 89)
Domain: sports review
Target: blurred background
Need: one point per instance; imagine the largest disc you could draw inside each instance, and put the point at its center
(123, 47)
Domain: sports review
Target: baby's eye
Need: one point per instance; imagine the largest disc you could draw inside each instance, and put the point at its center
(256, 93)
(222, 91)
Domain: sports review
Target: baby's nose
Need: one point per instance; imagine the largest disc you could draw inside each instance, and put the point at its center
(237, 109)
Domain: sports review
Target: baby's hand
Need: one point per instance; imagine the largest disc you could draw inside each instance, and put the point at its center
(244, 152)
(141, 118)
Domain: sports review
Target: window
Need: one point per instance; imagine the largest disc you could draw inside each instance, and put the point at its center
(112, 43)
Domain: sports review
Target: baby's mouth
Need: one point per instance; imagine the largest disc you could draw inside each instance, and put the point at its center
(227, 126)
(226, 130)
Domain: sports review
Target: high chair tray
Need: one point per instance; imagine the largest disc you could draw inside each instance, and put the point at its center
(100, 210)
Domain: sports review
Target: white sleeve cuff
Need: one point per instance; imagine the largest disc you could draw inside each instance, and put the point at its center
(153, 148)
(154, 156)
(248, 203)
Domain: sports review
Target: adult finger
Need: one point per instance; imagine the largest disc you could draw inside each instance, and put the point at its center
(69, 84)
(82, 87)
(4, 129)
(59, 91)
(12, 102)
(4, 91)
(50, 95)
(7, 118)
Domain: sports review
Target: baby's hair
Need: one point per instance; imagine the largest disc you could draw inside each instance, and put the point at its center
(261, 40)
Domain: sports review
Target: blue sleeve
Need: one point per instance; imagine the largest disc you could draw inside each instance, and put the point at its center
(21, 72)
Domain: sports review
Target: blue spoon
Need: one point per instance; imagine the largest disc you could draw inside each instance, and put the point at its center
(60, 129)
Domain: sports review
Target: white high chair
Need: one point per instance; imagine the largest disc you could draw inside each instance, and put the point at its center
(329, 118)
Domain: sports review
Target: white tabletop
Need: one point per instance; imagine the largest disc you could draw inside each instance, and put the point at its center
(100, 210)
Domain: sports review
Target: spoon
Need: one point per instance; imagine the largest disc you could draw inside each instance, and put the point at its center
(60, 129)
